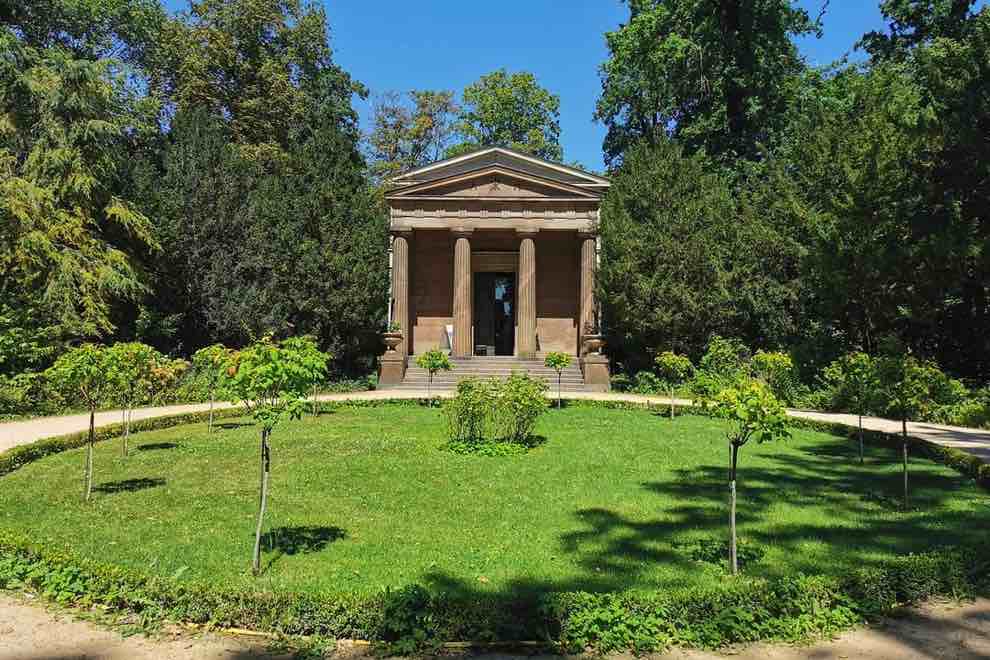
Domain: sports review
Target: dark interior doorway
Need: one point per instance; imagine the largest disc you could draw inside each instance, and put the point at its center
(494, 313)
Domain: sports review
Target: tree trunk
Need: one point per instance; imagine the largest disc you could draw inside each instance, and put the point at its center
(733, 551)
(123, 431)
(861, 440)
(265, 470)
(429, 391)
(209, 425)
(904, 459)
(558, 390)
(89, 453)
(127, 431)
(315, 411)
(671, 390)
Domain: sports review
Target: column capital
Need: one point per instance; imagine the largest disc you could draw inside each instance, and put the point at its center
(526, 232)
(587, 235)
(404, 232)
(462, 232)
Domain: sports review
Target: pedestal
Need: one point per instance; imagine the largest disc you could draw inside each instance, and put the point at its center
(595, 370)
(393, 368)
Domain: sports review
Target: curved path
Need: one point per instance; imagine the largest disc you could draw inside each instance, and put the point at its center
(12, 434)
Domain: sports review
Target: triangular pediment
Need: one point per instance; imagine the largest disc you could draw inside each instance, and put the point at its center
(496, 183)
(505, 160)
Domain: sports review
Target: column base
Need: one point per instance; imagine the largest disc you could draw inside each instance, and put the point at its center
(393, 368)
(595, 370)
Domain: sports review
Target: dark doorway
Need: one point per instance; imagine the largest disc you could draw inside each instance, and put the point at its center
(494, 313)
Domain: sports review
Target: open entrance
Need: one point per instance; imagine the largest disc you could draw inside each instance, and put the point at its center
(494, 313)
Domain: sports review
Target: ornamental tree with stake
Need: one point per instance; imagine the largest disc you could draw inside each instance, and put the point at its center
(131, 367)
(852, 380)
(84, 374)
(273, 379)
(212, 362)
(558, 362)
(674, 370)
(433, 361)
(904, 392)
(756, 414)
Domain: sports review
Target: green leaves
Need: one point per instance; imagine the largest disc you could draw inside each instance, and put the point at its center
(510, 110)
(433, 361)
(756, 412)
(275, 378)
(83, 374)
(557, 360)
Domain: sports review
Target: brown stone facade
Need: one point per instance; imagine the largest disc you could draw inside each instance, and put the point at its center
(494, 253)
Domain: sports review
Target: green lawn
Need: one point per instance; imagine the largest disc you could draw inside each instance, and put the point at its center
(364, 497)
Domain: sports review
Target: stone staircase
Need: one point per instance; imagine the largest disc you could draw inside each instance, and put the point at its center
(485, 367)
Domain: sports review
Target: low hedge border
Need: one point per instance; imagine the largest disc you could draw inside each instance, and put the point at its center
(17, 457)
(413, 618)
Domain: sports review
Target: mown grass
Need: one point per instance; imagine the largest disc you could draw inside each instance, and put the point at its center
(363, 498)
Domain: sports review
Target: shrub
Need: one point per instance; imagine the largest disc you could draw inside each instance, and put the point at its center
(621, 383)
(494, 417)
(521, 401)
(725, 359)
(777, 371)
(469, 414)
(647, 382)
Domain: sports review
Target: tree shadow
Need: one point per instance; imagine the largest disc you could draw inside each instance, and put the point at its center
(298, 540)
(226, 426)
(152, 446)
(302, 539)
(129, 485)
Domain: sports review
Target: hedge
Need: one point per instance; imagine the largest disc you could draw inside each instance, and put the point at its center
(414, 618)
(18, 457)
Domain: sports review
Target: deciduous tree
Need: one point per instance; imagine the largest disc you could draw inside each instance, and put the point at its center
(273, 379)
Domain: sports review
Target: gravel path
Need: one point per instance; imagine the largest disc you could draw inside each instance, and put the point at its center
(12, 434)
(28, 631)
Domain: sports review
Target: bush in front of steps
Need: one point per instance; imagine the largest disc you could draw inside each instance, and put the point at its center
(492, 417)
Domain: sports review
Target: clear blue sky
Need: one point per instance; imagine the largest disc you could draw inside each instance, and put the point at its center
(447, 44)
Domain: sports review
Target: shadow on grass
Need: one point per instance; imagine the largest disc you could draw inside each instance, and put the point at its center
(299, 540)
(302, 539)
(153, 446)
(226, 426)
(129, 485)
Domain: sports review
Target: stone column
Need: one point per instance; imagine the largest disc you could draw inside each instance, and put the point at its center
(463, 328)
(587, 314)
(393, 363)
(400, 287)
(526, 340)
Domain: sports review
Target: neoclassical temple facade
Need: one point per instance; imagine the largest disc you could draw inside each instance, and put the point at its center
(494, 254)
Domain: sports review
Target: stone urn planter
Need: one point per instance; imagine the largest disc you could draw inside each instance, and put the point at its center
(594, 343)
(392, 340)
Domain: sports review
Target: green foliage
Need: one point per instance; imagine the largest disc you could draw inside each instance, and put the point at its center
(755, 412)
(83, 374)
(710, 74)
(557, 360)
(786, 609)
(274, 379)
(646, 382)
(494, 417)
(434, 361)
(904, 386)
(509, 110)
(911, 23)
(851, 383)
(521, 401)
(674, 370)
(413, 619)
(212, 364)
(686, 256)
(68, 239)
(777, 371)
(410, 130)
(725, 364)
(132, 372)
